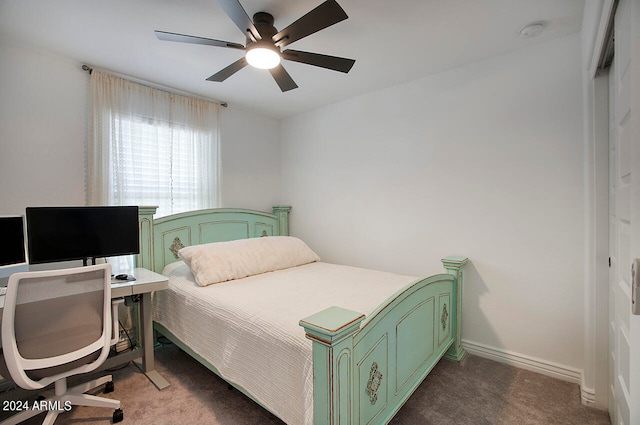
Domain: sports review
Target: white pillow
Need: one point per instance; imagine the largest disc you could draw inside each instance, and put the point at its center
(222, 261)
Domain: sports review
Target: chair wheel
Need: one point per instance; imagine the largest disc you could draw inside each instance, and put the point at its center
(109, 387)
(118, 416)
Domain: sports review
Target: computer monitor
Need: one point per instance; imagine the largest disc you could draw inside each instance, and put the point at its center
(13, 253)
(81, 233)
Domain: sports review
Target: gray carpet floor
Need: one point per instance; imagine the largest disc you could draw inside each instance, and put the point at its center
(475, 392)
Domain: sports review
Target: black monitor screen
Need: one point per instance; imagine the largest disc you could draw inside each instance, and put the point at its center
(75, 233)
(12, 247)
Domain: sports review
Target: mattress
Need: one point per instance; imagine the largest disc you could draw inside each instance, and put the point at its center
(248, 328)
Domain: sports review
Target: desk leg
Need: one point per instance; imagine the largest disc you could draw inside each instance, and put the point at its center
(146, 333)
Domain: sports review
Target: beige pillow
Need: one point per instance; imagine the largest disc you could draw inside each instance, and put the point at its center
(222, 261)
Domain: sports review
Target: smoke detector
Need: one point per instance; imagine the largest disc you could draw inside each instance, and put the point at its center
(532, 30)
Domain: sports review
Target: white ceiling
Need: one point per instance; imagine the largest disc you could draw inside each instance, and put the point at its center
(392, 41)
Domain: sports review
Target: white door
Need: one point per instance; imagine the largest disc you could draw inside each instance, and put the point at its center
(624, 154)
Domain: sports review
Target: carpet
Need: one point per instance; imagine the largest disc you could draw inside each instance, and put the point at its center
(476, 391)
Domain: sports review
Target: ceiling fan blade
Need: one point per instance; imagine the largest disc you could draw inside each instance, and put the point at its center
(227, 72)
(283, 78)
(323, 16)
(324, 61)
(183, 38)
(239, 16)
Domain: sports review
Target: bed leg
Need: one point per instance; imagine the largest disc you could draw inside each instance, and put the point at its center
(454, 266)
(331, 331)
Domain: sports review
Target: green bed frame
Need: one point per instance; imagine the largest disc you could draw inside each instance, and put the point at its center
(364, 368)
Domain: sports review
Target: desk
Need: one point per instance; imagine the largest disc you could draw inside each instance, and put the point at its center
(145, 283)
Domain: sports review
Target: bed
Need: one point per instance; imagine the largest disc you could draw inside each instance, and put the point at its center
(314, 343)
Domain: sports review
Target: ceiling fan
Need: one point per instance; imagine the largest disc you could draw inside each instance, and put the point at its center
(264, 41)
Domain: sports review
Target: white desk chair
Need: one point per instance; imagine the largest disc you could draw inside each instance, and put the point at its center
(56, 324)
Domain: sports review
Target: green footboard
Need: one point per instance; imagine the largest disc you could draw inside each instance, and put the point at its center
(365, 369)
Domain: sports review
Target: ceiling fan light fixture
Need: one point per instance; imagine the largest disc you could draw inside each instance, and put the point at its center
(264, 41)
(262, 55)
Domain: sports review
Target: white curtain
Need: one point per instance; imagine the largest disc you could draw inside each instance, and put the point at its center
(150, 147)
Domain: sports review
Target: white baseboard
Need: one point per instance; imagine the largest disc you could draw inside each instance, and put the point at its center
(587, 396)
(533, 364)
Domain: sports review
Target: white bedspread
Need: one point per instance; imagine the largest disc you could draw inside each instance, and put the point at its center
(241, 326)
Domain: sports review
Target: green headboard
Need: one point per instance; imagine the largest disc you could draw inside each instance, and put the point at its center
(160, 239)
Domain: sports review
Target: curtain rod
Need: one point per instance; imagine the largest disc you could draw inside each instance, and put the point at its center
(154, 85)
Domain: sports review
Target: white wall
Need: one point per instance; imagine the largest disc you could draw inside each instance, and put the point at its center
(250, 160)
(43, 122)
(42, 129)
(483, 161)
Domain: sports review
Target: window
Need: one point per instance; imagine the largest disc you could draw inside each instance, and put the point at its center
(161, 164)
(152, 147)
